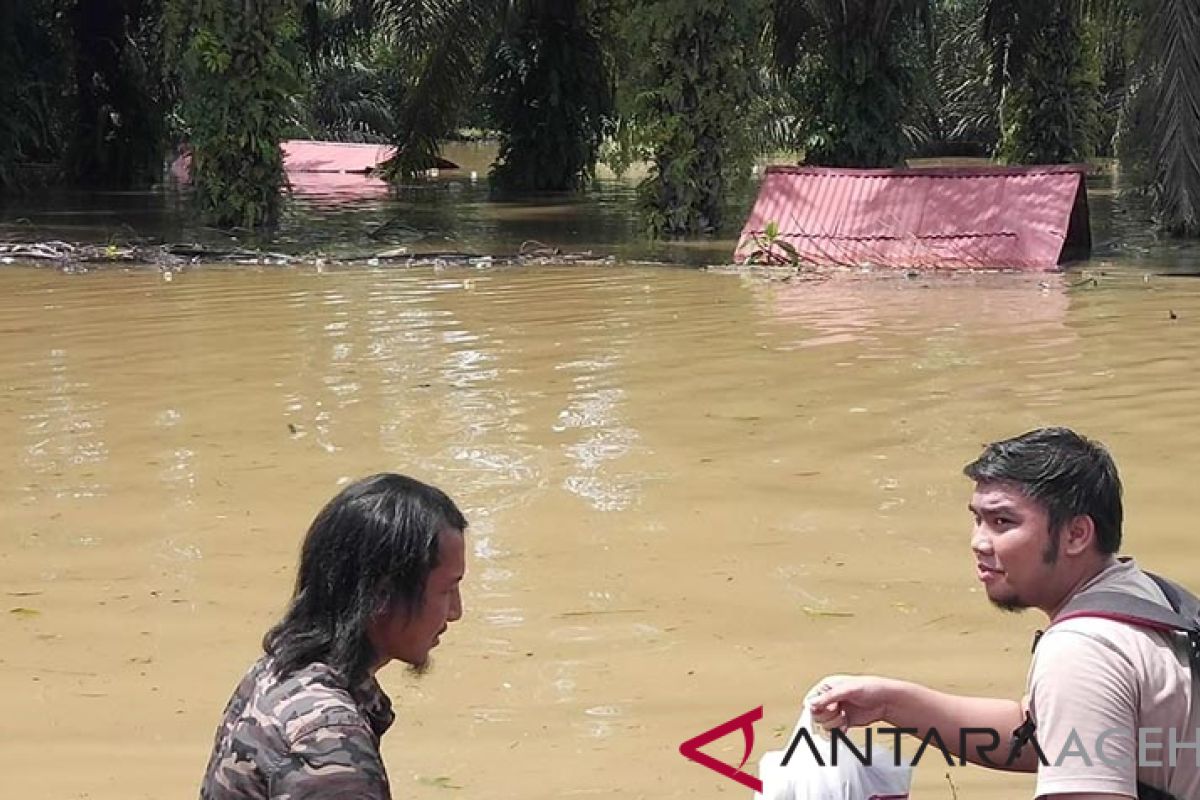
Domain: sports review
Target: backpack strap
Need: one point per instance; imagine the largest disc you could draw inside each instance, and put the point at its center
(1148, 792)
(1182, 617)
(1124, 608)
(1184, 602)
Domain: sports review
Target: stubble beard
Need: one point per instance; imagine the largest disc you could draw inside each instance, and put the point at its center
(1011, 605)
(1014, 604)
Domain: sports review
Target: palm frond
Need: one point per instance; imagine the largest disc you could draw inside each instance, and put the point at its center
(793, 22)
(441, 45)
(349, 102)
(333, 28)
(1174, 33)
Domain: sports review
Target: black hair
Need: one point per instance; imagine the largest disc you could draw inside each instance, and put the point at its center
(370, 548)
(1068, 474)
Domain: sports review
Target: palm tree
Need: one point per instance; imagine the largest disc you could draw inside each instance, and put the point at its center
(1172, 66)
(120, 97)
(547, 77)
(958, 112)
(1049, 91)
(691, 82)
(1160, 119)
(239, 73)
(853, 74)
(549, 86)
(32, 76)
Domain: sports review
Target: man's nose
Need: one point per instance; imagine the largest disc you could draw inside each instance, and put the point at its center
(456, 607)
(980, 542)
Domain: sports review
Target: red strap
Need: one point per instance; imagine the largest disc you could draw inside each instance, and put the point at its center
(1129, 619)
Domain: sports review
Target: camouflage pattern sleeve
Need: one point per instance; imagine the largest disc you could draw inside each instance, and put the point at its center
(331, 761)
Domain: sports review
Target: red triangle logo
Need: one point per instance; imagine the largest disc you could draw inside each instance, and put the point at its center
(745, 723)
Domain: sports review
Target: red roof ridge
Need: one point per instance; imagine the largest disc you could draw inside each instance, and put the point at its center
(946, 171)
(895, 237)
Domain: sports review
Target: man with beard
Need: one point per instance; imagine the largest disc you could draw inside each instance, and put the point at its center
(1109, 702)
(378, 581)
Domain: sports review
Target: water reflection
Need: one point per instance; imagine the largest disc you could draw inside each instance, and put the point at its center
(66, 432)
(852, 308)
(595, 413)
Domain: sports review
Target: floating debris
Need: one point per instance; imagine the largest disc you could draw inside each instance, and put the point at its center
(824, 612)
(173, 258)
(441, 782)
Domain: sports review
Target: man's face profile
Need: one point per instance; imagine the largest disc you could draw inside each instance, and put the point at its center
(410, 636)
(1014, 551)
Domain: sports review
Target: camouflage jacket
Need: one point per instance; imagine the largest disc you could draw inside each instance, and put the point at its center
(300, 738)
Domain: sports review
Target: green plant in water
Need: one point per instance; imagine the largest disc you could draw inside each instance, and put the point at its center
(957, 112)
(1175, 27)
(770, 250)
(1158, 135)
(239, 66)
(33, 77)
(120, 95)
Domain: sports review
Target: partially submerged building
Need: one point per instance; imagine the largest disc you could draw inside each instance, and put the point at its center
(1027, 218)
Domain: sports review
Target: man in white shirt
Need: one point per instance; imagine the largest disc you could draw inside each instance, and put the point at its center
(1110, 703)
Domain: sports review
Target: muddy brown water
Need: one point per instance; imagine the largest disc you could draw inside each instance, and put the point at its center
(690, 494)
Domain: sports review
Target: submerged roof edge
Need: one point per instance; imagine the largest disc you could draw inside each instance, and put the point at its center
(930, 172)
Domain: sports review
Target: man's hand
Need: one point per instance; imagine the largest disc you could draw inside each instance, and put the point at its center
(847, 701)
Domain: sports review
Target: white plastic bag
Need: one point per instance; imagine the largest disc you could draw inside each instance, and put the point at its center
(804, 777)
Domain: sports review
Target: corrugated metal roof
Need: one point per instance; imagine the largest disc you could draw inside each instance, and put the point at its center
(337, 170)
(311, 156)
(1016, 217)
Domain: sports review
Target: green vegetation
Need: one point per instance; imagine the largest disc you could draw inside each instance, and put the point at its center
(238, 73)
(550, 95)
(854, 73)
(690, 85)
(32, 75)
(1049, 89)
(1172, 63)
(98, 92)
(118, 128)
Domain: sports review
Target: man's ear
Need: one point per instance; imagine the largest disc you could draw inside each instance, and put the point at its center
(382, 606)
(1079, 535)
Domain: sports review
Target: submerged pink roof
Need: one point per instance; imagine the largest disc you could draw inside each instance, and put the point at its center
(311, 156)
(1015, 217)
(336, 170)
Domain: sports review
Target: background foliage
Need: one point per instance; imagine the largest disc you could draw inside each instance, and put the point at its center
(238, 71)
(853, 73)
(98, 92)
(550, 94)
(688, 91)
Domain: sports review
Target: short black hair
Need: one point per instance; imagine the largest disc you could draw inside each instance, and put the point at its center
(1067, 473)
(371, 547)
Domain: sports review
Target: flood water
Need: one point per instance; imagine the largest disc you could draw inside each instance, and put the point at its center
(690, 494)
